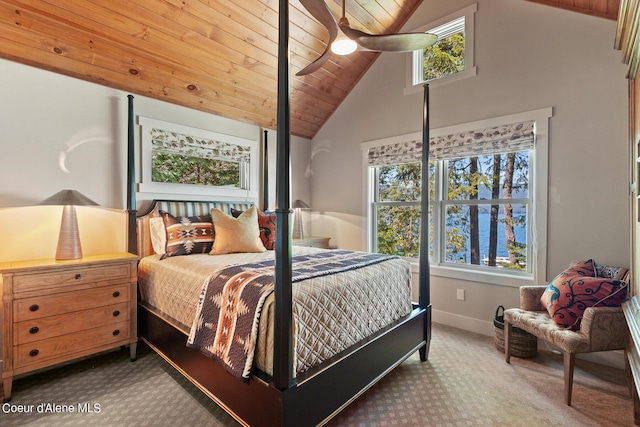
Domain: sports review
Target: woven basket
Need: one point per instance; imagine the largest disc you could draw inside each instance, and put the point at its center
(523, 344)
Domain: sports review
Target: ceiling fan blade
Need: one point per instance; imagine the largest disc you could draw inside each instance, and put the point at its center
(317, 64)
(319, 10)
(352, 33)
(403, 42)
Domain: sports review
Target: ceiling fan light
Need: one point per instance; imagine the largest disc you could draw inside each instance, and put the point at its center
(343, 46)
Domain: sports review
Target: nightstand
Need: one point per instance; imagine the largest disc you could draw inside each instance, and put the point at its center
(315, 241)
(56, 311)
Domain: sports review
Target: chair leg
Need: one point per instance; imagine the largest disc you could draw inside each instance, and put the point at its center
(569, 362)
(507, 342)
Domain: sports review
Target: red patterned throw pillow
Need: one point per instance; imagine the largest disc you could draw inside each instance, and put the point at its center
(267, 225)
(571, 292)
(187, 235)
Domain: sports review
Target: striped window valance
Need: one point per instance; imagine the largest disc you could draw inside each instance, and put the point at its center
(176, 143)
(508, 138)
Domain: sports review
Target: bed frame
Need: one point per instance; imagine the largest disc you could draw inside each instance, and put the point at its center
(318, 394)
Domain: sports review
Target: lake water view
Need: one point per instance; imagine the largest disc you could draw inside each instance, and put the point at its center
(484, 223)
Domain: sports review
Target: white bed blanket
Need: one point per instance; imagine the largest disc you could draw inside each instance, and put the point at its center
(330, 312)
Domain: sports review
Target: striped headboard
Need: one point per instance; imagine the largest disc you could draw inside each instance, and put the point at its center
(177, 208)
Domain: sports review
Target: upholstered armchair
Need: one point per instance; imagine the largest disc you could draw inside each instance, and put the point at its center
(601, 329)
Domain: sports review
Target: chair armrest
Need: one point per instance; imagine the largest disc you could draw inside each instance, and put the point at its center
(605, 327)
(530, 298)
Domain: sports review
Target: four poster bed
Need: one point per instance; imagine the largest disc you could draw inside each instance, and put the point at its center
(301, 375)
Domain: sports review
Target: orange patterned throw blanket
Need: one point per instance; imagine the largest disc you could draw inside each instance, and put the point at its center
(228, 313)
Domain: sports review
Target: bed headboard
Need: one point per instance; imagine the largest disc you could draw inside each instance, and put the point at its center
(176, 208)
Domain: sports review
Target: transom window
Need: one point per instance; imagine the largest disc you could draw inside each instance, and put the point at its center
(451, 57)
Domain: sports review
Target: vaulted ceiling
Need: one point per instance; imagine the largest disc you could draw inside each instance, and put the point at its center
(601, 8)
(217, 56)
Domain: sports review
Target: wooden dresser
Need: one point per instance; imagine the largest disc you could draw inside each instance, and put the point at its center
(56, 311)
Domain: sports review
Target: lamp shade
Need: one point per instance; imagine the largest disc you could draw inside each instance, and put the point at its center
(298, 232)
(299, 204)
(68, 197)
(69, 246)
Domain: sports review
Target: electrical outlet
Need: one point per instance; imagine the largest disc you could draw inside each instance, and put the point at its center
(460, 294)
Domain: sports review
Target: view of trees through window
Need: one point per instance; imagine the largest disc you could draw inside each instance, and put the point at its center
(444, 57)
(447, 55)
(181, 169)
(398, 219)
(481, 213)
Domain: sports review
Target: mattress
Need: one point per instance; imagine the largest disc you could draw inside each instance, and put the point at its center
(330, 313)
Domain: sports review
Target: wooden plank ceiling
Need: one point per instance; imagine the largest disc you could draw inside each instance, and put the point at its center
(218, 56)
(601, 8)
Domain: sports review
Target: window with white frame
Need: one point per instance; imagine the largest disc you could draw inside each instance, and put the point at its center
(487, 197)
(451, 57)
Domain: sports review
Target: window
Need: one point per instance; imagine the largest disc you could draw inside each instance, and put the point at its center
(177, 158)
(186, 160)
(451, 58)
(484, 208)
(487, 184)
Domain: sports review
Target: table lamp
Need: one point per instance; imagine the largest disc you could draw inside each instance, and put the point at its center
(69, 246)
(298, 233)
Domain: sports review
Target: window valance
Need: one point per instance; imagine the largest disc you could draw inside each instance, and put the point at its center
(506, 138)
(176, 143)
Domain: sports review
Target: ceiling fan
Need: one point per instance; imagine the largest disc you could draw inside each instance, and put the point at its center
(403, 42)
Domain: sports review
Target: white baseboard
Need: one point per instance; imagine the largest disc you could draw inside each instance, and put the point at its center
(608, 358)
(463, 322)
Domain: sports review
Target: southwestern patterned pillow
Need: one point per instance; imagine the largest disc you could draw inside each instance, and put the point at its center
(571, 292)
(267, 225)
(187, 235)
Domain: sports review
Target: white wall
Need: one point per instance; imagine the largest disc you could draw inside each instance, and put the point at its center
(528, 56)
(45, 116)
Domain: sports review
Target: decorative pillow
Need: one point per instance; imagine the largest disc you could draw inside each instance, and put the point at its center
(187, 235)
(583, 268)
(618, 273)
(240, 234)
(158, 234)
(267, 225)
(571, 292)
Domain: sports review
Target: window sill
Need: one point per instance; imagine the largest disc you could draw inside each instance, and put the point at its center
(485, 277)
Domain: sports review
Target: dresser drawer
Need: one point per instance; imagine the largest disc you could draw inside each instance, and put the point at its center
(76, 342)
(38, 307)
(53, 326)
(70, 276)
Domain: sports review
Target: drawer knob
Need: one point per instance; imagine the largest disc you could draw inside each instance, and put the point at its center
(34, 352)
(116, 332)
(116, 294)
(34, 307)
(34, 330)
(116, 313)
(78, 276)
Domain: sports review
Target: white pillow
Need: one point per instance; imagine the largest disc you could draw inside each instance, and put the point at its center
(158, 234)
(241, 234)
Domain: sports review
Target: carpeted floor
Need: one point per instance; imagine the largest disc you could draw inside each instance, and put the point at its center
(465, 382)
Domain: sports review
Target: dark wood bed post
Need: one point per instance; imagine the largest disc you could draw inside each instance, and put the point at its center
(425, 275)
(132, 245)
(265, 173)
(283, 376)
